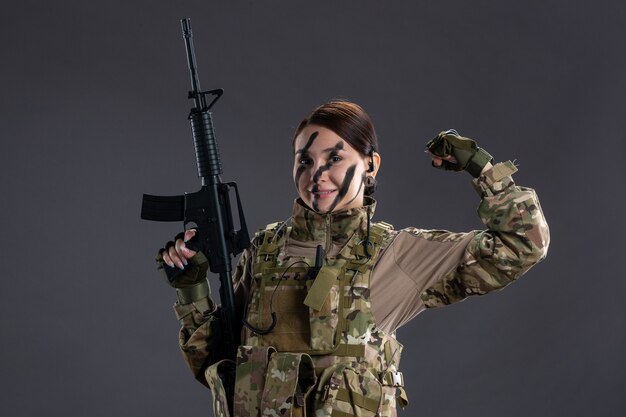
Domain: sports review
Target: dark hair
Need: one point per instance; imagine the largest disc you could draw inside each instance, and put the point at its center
(350, 122)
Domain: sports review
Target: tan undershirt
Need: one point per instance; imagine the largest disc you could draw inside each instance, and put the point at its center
(407, 267)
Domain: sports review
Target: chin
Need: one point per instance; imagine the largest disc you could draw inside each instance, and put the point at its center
(321, 209)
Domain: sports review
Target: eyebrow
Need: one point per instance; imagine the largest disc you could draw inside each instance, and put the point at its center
(335, 149)
(308, 143)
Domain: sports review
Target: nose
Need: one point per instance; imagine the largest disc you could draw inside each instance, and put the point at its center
(319, 172)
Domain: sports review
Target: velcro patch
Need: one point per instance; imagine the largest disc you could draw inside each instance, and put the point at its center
(320, 289)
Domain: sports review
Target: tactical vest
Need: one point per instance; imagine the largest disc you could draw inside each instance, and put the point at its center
(324, 356)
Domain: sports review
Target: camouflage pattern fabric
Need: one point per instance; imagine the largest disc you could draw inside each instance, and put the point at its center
(196, 333)
(350, 354)
(212, 376)
(356, 363)
(517, 238)
(250, 380)
(289, 379)
(271, 383)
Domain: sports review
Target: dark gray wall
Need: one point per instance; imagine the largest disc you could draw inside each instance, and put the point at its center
(94, 113)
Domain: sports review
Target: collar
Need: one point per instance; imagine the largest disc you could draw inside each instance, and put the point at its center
(329, 229)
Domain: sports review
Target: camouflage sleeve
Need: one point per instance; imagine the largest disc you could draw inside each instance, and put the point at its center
(517, 237)
(194, 336)
(196, 319)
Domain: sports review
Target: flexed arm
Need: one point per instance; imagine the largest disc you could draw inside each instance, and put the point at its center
(517, 237)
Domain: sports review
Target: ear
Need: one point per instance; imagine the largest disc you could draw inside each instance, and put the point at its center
(375, 158)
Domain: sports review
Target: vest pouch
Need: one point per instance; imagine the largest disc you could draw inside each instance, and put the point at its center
(324, 321)
(252, 365)
(289, 379)
(344, 392)
(300, 326)
(282, 294)
(216, 384)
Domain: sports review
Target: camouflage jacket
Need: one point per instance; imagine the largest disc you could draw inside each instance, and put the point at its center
(417, 268)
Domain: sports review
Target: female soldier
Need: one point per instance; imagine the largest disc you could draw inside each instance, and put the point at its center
(322, 294)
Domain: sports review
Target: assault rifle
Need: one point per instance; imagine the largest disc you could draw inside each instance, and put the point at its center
(209, 208)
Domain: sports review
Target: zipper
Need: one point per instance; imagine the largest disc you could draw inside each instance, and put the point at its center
(325, 392)
(329, 238)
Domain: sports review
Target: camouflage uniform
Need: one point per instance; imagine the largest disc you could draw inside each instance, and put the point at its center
(333, 351)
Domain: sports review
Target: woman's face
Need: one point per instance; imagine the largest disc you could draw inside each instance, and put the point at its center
(328, 172)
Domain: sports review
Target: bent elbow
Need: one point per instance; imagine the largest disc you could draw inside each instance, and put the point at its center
(538, 242)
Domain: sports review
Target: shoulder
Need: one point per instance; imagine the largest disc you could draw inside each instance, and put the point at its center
(270, 238)
(413, 233)
(435, 235)
(382, 233)
(411, 245)
(271, 229)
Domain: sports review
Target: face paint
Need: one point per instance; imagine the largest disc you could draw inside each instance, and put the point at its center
(333, 152)
(328, 173)
(316, 204)
(344, 188)
(303, 152)
(358, 192)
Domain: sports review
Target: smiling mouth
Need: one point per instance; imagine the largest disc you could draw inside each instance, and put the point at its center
(323, 193)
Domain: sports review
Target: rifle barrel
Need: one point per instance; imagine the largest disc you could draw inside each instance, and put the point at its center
(191, 62)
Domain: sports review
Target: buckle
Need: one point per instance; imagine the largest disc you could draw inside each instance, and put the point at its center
(392, 378)
(398, 379)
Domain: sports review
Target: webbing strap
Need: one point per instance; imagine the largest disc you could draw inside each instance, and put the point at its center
(388, 353)
(345, 349)
(502, 170)
(357, 399)
(337, 413)
(377, 230)
(269, 245)
(347, 299)
(377, 236)
(402, 398)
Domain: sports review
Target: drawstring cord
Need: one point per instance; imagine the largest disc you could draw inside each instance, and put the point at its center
(272, 312)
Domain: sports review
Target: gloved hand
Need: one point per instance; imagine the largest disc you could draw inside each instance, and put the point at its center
(182, 266)
(458, 153)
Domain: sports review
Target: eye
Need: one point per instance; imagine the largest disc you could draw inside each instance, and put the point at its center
(335, 158)
(304, 161)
